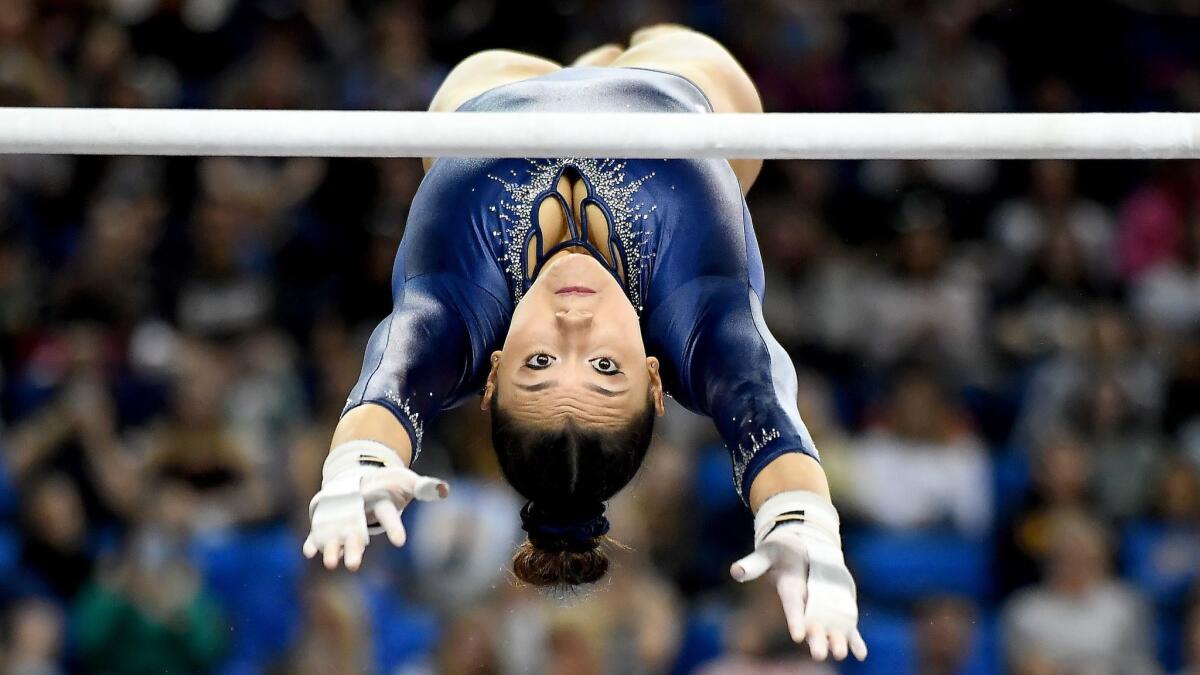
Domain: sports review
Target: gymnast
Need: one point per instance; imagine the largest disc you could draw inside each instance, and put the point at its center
(575, 294)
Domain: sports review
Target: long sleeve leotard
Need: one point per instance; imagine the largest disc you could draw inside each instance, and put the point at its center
(692, 270)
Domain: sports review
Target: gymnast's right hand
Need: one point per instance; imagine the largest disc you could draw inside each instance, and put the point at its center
(364, 489)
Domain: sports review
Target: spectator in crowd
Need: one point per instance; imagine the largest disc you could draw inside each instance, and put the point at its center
(1063, 389)
(922, 465)
(946, 634)
(335, 637)
(1164, 551)
(468, 647)
(18, 284)
(1167, 295)
(35, 630)
(813, 283)
(1024, 226)
(148, 613)
(929, 304)
(1125, 448)
(398, 74)
(1062, 483)
(1181, 409)
(1152, 218)
(55, 530)
(195, 455)
(1051, 304)
(1079, 618)
(109, 279)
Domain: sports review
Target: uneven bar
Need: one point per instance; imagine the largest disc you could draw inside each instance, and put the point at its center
(296, 133)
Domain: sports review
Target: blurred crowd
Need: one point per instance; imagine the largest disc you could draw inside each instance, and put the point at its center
(1000, 361)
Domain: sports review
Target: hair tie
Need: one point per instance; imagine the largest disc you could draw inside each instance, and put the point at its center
(562, 532)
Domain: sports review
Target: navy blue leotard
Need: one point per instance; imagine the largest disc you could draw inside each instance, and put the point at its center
(686, 244)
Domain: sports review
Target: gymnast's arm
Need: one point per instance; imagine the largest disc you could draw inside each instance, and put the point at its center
(420, 360)
(417, 362)
(732, 369)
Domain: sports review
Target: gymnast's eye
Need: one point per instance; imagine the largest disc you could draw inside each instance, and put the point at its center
(605, 366)
(539, 361)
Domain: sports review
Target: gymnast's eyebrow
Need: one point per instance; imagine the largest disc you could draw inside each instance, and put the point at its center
(539, 386)
(601, 390)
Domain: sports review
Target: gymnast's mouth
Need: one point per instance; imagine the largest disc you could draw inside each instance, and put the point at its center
(574, 290)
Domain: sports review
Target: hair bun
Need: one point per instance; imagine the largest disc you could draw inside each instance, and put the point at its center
(540, 567)
(563, 548)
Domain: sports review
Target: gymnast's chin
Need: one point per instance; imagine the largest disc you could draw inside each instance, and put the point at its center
(573, 397)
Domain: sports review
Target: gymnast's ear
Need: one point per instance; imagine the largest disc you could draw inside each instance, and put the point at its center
(656, 388)
(489, 389)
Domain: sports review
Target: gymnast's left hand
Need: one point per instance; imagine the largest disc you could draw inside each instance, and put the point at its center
(797, 539)
(364, 489)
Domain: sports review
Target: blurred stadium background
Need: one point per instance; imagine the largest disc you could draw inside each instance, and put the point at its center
(1000, 360)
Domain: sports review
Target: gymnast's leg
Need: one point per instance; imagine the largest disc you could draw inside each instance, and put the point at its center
(677, 49)
(482, 71)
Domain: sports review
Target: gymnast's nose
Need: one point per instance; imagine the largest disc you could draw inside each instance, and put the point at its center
(574, 318)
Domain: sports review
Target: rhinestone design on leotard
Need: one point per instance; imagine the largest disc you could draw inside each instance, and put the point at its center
(414, 418)
(613, 186)
(746, 450)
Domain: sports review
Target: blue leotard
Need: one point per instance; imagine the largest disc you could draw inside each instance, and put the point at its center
(687, 251)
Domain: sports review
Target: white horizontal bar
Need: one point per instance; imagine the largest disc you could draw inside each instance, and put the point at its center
(667, 135)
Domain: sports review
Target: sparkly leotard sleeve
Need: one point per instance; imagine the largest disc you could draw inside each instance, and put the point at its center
(689, 260)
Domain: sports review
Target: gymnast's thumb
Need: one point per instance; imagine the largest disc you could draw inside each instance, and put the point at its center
(751, 567)
(430, 489)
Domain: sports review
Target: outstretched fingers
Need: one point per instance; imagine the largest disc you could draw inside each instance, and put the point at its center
(791, 591)
(858, 646)
(389, 518)
(353, 553)
(818, 642)
(751, 567)
(837, 645)
(332, 553)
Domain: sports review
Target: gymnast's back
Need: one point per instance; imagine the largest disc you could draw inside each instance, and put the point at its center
(689, 264)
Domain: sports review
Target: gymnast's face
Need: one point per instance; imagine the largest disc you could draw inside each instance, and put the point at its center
(574, 351)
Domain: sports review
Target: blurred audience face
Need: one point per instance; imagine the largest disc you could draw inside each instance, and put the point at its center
(335, 637)
(1078, 558)
(56, 513)
(1109, 334)
(200, 386)
(944, 634)
(218, 228)
(120, 232)
(1053, 181)
(923, 250)
(15, 17)
(1063, 472)
(571, 653)
(918, 407)
(400, 38)
(36, 638)
(1106, 408)
(1062, 259)
(467, 648)
(792, 240)
(1179, 493)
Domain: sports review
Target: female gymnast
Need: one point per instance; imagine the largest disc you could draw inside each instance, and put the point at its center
(575, 293)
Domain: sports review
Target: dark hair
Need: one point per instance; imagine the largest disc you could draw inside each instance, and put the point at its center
(567, 474)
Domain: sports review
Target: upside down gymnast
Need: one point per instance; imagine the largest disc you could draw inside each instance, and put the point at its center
(574, 293)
